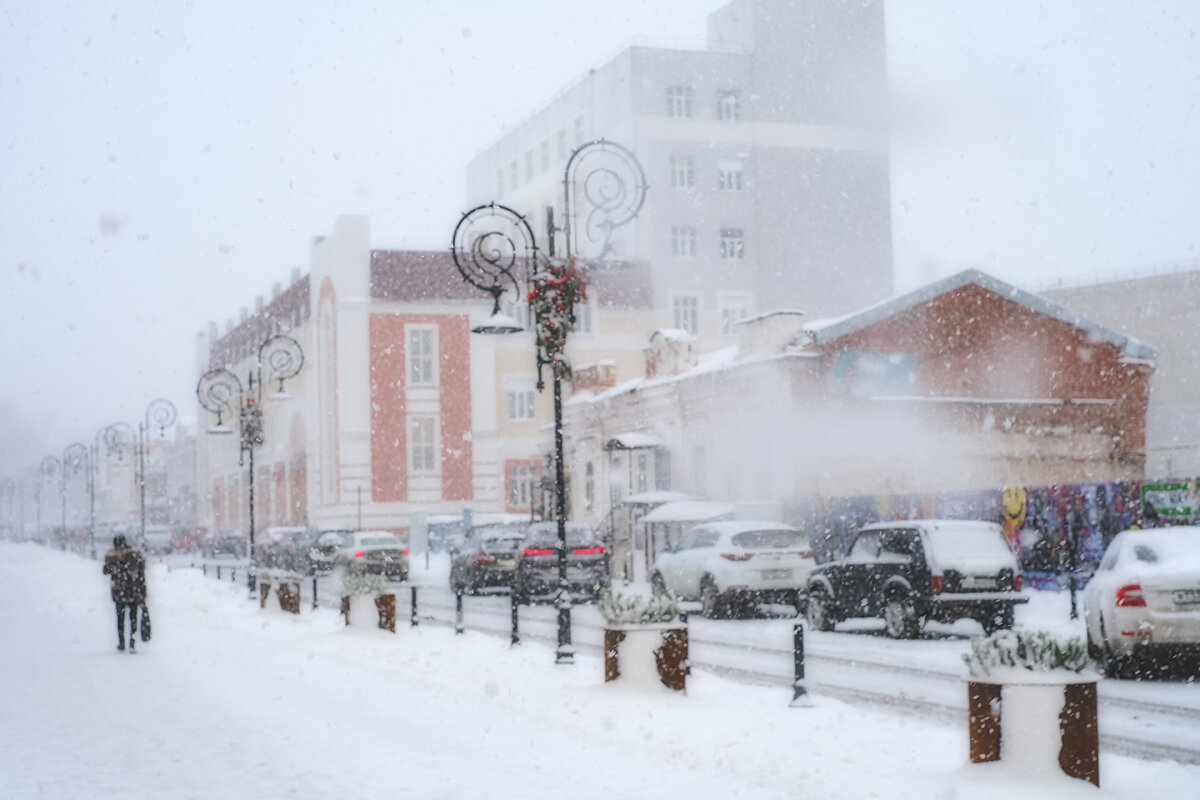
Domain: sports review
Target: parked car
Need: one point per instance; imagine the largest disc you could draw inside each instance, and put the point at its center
(156, 539)
(1144, 599)
(487, 558)
(273, 547)
(731, 566)
(376, 552)
(915, 570)
(185, 539)
(446, 533)
(224, 542)
(536, 571)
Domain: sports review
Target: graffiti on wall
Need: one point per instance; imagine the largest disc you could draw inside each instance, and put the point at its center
(1052, 529)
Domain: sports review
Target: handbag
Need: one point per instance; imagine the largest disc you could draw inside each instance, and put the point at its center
(145, 625)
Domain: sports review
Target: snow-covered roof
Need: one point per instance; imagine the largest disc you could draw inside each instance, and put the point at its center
(672, 334)
(632, 440)
(689, 511)
(775, 312)
(828, 330)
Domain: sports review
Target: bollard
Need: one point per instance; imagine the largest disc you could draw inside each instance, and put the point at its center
(233, 574)
(314, 608)
(516, 637)
(687, 664)
(218, 572)
(412, 620)
(799, 693)
(204, 570)
(458, 613)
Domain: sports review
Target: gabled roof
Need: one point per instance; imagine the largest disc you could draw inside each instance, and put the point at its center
(824, 331)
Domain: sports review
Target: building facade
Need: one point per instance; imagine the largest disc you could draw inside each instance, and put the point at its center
(769, 175)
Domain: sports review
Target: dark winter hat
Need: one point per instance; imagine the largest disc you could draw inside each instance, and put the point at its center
(119, 540)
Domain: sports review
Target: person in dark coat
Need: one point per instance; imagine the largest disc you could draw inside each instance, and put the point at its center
(126, 567)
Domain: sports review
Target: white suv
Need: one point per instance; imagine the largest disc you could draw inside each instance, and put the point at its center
(731, 566)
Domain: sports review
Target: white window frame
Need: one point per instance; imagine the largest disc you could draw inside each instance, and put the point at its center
(562, 144)
(685, 312)
(683, 172)
(515, 174)
(729, 106)
(528, 165)
(732, 244)
(520, 403)
(545, 154)
(522, 485)
(679, 102)
(735, 306)
(421, 368)
(730, 175)
(683, 241)
(423, 450)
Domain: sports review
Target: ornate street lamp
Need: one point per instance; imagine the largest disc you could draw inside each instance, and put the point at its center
(162, 414)
(221, 393)
(49, 468)
(76, 459)
(604, 188)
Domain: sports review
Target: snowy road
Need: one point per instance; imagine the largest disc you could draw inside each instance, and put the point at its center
(233, 701)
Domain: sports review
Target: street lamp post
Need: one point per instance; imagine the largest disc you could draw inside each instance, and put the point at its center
(492, 242)
(162, 413)
(50, 468)
(74, 461)
(220, 392)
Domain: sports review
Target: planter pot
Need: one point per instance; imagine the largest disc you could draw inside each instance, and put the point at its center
(385, 605)
(367, 611)
(646, 656)
(1040, 723)
(289, 597)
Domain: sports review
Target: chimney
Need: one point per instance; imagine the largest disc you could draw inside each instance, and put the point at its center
(258, 303)
(243, 315)
(228, 326)
(295, 275)
(212, 331)
(276, 290)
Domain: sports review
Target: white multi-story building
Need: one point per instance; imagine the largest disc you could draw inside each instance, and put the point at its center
(769, 184)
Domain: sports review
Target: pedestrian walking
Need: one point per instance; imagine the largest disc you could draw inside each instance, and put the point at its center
(126, 567)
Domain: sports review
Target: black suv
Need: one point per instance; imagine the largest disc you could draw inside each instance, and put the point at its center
(915, 570)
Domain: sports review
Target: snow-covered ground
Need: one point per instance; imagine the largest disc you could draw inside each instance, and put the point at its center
(232, 701)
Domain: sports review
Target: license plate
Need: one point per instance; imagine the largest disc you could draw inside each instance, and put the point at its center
(777, 574)
(1185, 597)
(971, 582)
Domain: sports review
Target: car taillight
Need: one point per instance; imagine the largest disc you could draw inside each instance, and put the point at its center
(589, 551)
(484, 558)
(529, 551)
(737, 556)
(1130, 596)
(937, 584)
(804, 553)
(360, 554)
(404, 552)
(1018, 582)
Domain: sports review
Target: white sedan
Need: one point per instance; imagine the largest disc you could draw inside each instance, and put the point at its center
(730, 566)
(1144, 599)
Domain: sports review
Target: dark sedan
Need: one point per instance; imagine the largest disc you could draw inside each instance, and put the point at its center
(537, 562)
(487, 558)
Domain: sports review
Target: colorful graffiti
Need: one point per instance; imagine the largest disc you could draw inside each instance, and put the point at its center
(1053, 529)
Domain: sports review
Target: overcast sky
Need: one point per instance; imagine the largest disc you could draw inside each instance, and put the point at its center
(163, 163)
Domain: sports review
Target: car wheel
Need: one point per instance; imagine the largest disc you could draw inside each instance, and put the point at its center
(658, 586)
(712, 604)
(1111, 665)
(1001, 620)
(816, 612)
(900, 618)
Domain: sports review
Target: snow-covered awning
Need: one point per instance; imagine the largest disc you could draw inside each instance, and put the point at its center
(654, 498)
(690, 511)
(633, 441)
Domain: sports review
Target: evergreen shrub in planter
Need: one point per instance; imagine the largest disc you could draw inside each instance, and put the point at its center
(643, 642)
(358, 587)
(1031, 700)
(287, 588)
